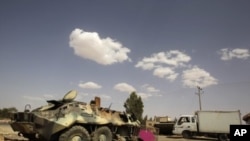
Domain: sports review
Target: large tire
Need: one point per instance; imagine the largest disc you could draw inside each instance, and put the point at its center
(102, 134)
(186, 134)
(75, 133)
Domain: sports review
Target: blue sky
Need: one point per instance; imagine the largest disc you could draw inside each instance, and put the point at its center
(161, 49)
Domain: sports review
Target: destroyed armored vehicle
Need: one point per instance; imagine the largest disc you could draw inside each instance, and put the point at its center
(69, 120)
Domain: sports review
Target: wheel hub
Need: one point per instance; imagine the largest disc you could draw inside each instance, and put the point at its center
(76, 138)
(102, 137)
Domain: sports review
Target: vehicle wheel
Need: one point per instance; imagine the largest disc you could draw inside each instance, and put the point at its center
(186, 134)
(102, 134)
(223, 137)
(76, 133)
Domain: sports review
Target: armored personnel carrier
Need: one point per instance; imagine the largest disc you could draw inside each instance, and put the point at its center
(70, 120)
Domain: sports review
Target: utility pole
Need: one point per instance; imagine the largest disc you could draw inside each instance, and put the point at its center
(199, 94)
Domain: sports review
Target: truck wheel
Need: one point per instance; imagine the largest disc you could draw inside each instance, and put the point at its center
(186, 134)
(76, 133)
(102, 134)
(223, 137)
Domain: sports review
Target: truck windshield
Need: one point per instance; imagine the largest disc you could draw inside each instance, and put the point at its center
(184, 120)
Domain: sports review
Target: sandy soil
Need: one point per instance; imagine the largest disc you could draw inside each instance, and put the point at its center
(7, 134)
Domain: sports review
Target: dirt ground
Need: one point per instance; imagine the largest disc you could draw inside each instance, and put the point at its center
(179, 138)
(7, 134)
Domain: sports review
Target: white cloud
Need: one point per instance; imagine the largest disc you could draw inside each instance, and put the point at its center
(166, 64)
(163, 64)
(239, 53)
(197, 77)
(104, 51)
(150, 89)
(144, 95)
(147, 90)
(145, 65)
(106, 97)
(166, 72)
(124, 87)
(173, 58)
(89, 85)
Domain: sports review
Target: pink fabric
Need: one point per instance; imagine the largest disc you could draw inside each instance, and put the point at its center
(146, 135)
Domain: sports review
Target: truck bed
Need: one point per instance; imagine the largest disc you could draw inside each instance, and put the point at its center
(217, 121)
(165, 128)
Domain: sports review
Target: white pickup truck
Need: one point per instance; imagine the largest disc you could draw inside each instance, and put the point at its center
(207, 123)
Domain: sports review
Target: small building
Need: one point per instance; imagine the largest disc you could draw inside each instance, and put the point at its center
(246, 118)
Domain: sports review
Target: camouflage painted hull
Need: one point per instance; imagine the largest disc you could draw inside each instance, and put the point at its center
(65, 119)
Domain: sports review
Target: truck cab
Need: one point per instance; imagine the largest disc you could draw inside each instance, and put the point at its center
(185, 125)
